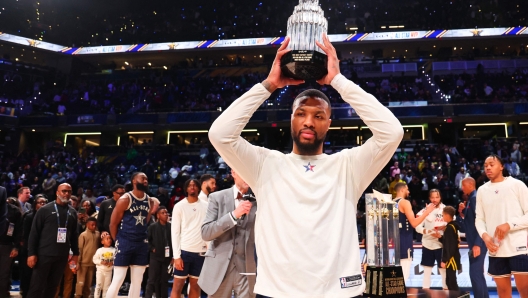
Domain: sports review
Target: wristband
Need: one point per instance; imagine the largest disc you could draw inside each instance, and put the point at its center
(233, 216)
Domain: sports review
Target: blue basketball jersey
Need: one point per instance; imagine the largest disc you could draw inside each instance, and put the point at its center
(134, 223)
(406, 235)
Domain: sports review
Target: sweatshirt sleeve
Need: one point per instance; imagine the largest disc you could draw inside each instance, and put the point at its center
(176, 232)
(480, 219)
(224, 134)
(81, 246)
(519, 223)
(387, 132)
(97, 257)
(35, 233)
(74, 235)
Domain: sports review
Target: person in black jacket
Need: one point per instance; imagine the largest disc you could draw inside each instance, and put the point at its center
(106, 208)
(160, 246)
(53, 234)
(3, 208)
(9, 245)
(450, 252)
(27, 222)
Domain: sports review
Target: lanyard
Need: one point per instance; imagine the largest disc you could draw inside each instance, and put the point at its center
(58, 218)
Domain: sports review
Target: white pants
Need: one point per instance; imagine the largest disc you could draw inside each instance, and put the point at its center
(406, 267)
(103, 278)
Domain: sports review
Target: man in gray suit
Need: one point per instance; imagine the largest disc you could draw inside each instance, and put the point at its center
(229, 261)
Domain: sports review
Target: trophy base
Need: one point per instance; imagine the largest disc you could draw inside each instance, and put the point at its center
(385, 282)
(304, 65)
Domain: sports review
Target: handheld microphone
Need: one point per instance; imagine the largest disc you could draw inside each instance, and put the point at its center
(248, 196)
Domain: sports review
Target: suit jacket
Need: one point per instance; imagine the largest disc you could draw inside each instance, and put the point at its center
(472, 236)
(220, 230)
(3, 208)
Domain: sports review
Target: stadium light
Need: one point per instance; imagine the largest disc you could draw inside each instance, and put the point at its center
(79, 134)
(197, 131)
(491, 124)
(140, 132)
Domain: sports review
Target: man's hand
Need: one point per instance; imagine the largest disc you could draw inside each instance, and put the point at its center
(333, 62)
(14, 253)
(243, 208)
(275, 78)
(178, 264)
(492, 248)
(429, 208)
(476, 251)
(32, 261)
(461, 208)
(436, 235)
(442, 265)
(502, 230)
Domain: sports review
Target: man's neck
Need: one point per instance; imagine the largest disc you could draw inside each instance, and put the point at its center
(138, 193)
(60, 203)
(163, 222)
(192, 199)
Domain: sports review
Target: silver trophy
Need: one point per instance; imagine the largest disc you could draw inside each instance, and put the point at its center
(384, 276)
(307, 24)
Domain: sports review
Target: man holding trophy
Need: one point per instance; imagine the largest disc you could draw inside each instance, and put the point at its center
(305, 230)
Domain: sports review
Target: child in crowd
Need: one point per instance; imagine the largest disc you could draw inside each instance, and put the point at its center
(160, 245)
(88, 244)
(450, 253)
(104, 261)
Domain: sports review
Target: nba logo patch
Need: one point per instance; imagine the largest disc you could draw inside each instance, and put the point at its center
(350, 281)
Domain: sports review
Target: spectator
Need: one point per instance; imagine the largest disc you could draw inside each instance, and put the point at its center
(23, 199)
(27, 222)
(89, 196)
(187, 243)
(88, 244)
(477, 248)
(450, 252)
(160, 247)
(431, 246)
(104, 262)
(48, 186)
(459, 177)
(208, 185)
(395, 169)
(106, 208)
(50, 241)
(392, 185)
(9, 245)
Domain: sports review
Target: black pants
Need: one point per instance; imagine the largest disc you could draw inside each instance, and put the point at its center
(25, 272)
(47, 275)
(451, 279)
(158, 278)
(5, 269)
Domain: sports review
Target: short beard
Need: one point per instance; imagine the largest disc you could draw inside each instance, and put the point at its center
(141, 187)
(63, 200)
(208, 189)
(307, 148)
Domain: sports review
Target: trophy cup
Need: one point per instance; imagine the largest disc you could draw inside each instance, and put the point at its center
(384, 275)
(305, 61)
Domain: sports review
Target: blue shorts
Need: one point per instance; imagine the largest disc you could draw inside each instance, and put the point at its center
(505, 267)
(192, 265)
(430, 256)
(131, 253)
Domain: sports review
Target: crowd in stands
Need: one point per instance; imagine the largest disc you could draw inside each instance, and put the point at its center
(81, 23)
(485, 88)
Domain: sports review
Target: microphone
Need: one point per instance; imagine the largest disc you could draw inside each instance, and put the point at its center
(248, 196)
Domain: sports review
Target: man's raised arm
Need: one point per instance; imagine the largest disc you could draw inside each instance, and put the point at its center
(371, 157)
(225, 132)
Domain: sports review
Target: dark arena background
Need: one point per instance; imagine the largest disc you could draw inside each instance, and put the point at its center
(92, 91)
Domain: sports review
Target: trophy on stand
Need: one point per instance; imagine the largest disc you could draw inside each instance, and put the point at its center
(306, 61)
(384, 275)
